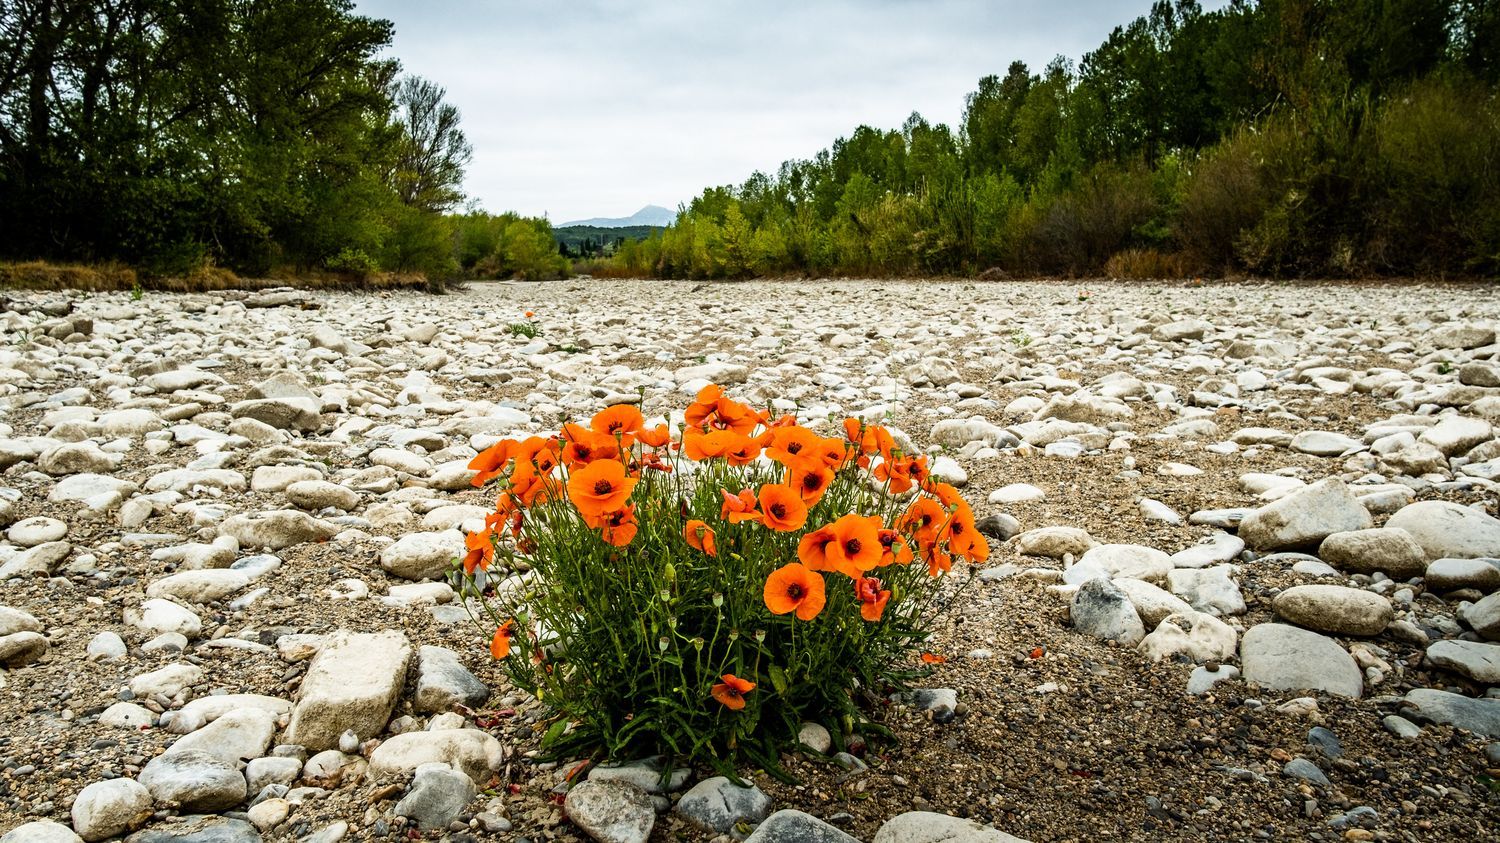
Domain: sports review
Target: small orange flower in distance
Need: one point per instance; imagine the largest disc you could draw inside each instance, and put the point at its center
(500, 644)
(731, 692)
(856, 544)
(700, 537)
(810, 479)
(872, 598)
(950, 496)
(832, 452)
(782, 508)
(621, 420)
(600, 487)
(655, 437)
(737, 508)
(794, 587)
(938, 560)
(703, 406)
(712, 411)
(529, 314)
(933, 658)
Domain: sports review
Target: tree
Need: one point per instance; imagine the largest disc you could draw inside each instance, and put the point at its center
(433, 151)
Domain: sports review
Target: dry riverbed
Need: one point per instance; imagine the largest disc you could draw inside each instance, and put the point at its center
(1157, 670)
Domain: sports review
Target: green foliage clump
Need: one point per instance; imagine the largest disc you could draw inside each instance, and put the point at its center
(698, 602)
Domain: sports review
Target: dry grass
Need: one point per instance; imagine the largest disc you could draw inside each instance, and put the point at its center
(42, 275)
(1148, 264)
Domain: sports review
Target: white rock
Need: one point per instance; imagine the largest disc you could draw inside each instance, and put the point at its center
(1449, 531)
(418, 556)
(1305, 517)
(158, 616)
(1198, 636)
(352, 683)
(1287, 658)
(1334, 609)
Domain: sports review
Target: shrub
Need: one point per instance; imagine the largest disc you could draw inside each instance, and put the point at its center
(703, 594)
(1147, 264)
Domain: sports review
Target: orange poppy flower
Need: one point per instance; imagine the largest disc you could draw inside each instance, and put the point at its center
(782, 508)
(655, 437)
(737, 508)
(949, 496)
(500, 644)
(812, 548)
(922, 519)
(704, 404)
(894, 549)
(600, 487)
(531, 488)
(481, 550)
(698, 446)
(712, 411)
(872, 598)
(869, 438)
(810, 479)
(794, 587)
(731, 692)
(964, 538)
(700, 537)
(933, 658)
(856, 545)
(585, 446)
(938, 560)
(895, 473)
(491, 462)
(791, 445)
(832, 452)
(621, 420)
(744, 451)
(617, 528)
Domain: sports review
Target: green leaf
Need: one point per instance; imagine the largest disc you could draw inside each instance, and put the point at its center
(778, 679)
(554, 732)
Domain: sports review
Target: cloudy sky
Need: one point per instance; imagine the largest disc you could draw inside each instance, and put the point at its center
(596, 107)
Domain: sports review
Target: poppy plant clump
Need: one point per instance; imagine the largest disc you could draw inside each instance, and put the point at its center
(701, 587)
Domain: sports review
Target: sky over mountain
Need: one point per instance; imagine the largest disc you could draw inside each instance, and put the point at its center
(595, 108)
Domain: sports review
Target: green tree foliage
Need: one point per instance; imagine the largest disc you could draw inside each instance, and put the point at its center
(1290, 137)
(253, 134)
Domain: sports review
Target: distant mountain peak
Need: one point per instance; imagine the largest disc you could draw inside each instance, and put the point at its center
(649, 215)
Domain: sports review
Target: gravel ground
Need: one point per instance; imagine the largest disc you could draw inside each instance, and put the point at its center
(1059, 736)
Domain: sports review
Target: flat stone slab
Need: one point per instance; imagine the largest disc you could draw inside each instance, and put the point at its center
(1287, 658)
(1481, 716)
(352, 683)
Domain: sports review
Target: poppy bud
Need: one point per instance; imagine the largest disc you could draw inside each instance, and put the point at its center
(760, 636)
(663, 643)
(848, 724)
(671, 572)
(734, 635)
(718, 599)
(698, 644)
